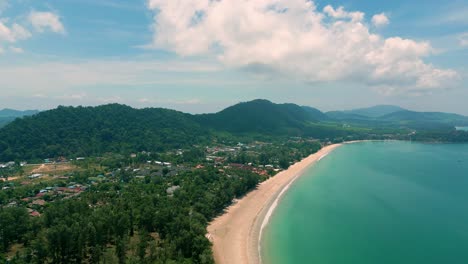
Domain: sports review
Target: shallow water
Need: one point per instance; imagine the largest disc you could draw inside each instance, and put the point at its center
(375, 202)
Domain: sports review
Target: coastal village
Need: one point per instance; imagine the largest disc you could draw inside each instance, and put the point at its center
(34, 186)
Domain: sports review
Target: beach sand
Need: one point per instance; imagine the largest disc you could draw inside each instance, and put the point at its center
(235, 234)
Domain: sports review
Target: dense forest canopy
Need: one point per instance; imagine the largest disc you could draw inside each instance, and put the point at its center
(90, 131)
(148, 181)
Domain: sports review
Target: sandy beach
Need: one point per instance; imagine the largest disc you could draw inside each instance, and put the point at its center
(235, 234)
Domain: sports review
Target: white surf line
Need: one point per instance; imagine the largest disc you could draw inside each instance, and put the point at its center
(273, 206)
(323, 156)
(268, 215)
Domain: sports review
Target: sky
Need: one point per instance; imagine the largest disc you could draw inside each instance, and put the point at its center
(201, 56)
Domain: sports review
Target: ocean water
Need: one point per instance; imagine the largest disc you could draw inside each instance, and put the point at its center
(375, 203)
(462, 128)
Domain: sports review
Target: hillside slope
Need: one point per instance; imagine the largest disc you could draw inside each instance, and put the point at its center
(259, 116)
(76, 131)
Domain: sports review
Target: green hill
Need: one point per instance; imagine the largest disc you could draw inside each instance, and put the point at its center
(376, 111)
(86, 131)
(426, 119)
(396, 117)
(93, 131)
(316, 114)
(364, 113)
(259, 116)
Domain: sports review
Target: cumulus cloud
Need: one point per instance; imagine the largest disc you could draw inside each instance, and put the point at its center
(380, 20)
(294, 38)
(13, 33)
(10, 34)
(43, 21)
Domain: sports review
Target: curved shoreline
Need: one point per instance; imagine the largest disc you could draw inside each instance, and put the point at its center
(236, 234)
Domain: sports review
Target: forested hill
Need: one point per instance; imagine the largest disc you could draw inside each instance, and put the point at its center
(370, 112)
(437, 117)
(92, 131)
(260, 116)
(87, 131)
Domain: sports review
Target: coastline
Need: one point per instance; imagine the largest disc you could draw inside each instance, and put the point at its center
(236, 234)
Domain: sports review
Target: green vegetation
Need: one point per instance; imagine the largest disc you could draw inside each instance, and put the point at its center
(8, 115)
(370, 112)
(144, 183)
(259, 116)
(94, 131)
(396, 117)
(132, 209)
(101, 224)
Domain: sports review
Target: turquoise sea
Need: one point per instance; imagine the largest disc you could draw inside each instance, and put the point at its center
(375, 203)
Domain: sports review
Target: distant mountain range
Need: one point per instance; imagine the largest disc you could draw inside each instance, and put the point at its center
(87, 131)
(17, 113)
(370, 112)
(395, 116)
(8, 115)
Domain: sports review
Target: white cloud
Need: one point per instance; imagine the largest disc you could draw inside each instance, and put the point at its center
(293, 38)
(74, 96)
(42, 21)
(13, 33)
(463, 39)
(380, 20)
(57, 77)
(340, 13)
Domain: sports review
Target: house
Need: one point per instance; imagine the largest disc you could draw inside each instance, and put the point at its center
(12, 204)
(35, 214)
(35, 176)
(171, 190)
(62, 189)
(39, 202)
(40, 195)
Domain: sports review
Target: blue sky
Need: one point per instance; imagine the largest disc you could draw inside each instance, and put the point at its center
(200, 56)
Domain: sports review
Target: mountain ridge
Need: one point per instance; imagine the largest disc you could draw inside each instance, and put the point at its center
(88, 131)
